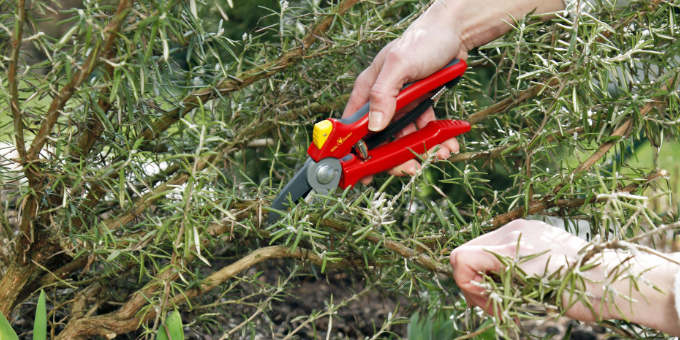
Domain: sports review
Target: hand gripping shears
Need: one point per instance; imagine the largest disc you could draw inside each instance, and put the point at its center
(341, 153)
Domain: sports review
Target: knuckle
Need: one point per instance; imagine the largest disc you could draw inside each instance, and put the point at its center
(363, 78)
(453, 258)
(395, 57)
(378, 91)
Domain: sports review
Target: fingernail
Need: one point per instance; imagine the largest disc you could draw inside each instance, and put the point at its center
(376, 120)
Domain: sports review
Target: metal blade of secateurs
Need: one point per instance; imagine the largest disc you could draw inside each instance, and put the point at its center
(294, 190)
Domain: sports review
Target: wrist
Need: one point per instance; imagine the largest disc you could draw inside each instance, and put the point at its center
(481, 21)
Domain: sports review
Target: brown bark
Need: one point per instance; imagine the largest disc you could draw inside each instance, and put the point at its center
(128, 318)
(31, 248)
(11, 284)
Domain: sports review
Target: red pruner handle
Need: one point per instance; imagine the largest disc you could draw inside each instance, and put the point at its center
(340, 135)
(401, 150)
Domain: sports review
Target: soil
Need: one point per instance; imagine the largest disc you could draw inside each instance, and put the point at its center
(361, 318)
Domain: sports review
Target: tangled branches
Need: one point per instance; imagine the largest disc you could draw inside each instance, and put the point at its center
(141, 191)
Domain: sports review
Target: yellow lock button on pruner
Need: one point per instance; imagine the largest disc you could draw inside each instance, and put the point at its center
(321, 132)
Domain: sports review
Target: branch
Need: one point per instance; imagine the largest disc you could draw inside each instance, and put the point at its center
(12, 81)
(94, 126)
(550, 202)
(498, 151)
(226, 86)
(622, 131)
(397, 247)
(509, 102)
(67, 91)
(256, 128)
(20, 272)
(248, 77)
(128, 318)
(30, 205)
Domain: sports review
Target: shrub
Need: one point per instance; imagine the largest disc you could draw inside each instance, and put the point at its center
(151, 139)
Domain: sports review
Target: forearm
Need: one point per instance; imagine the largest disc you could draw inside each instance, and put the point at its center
(654, 302)
(638, 289)
(481, 21)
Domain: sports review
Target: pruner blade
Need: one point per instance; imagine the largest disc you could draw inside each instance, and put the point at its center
(321, 177)
(293, 191)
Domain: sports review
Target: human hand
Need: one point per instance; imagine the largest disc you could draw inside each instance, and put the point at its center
(475, 257)
(609, 285)
(430, 43)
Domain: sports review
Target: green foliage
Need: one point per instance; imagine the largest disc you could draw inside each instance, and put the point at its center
(6, 330)
(40, 322)
(172, 328)
(432, 326)
(441, 325)
(157, 170)
(39, 325)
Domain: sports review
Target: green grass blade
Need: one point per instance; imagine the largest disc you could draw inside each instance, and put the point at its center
(40, 323)
(6, 331)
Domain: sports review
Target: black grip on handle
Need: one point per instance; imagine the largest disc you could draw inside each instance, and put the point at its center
(386, 134)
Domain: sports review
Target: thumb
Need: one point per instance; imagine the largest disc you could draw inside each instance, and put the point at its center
(384, 92)
(470, 262)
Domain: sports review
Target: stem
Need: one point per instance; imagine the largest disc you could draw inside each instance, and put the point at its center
(397, 247)
(12, 80)
(67, 91)
(128, 318)
(26, 255)
(246, 78)
(550, 202)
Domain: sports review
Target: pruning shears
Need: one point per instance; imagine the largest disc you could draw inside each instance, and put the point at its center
(342, 151)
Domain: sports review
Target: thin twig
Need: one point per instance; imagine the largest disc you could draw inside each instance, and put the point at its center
(331, 310)
(397, 247)
(248, 77)
(550, 202)
(57, 104)
(475, 333)
(509, 102)
(622, 131)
